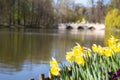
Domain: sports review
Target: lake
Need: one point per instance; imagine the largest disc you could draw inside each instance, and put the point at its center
(26, 53)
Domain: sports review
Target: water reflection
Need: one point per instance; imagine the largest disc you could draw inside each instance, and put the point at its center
(24, 53)
(16, 48)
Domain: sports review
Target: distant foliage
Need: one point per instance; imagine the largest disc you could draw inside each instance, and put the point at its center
(79, 19)
(112, 19)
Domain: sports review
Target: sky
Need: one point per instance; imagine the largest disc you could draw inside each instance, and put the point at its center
(86, 2)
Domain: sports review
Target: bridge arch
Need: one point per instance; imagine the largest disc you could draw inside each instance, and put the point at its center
(80, 28)
(91, 28)
(69, 27)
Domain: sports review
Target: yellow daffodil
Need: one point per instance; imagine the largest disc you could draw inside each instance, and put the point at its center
(108, 52)
(115, 49)
(118, 47)
(88, 53)
(95, 48)
(114, 44)
(112, 41)
(54, 67)
(53, 62)
(55, 71)
(69, 56)
(78, 50)
(100, 50)
(80, 60)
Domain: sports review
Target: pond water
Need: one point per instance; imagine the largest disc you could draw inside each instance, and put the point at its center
(26, 54)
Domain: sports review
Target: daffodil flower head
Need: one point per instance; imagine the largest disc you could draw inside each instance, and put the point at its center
(108, 52)
(118, 47)
(88, 53)
(100, 50)
(55, 71)
(78, 50)
(53, 62)
(112, 41)
(54, 67)
(80, 60)
(95, 48)
(69, 56)
(115, 49)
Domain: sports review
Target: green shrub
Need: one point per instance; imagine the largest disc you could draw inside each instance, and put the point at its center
(112, 19)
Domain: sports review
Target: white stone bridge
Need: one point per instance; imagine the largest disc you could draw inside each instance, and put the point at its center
(81, 26)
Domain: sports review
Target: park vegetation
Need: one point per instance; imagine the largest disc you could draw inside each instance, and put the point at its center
(112, 20)
(46, 13)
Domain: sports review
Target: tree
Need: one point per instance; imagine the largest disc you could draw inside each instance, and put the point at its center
(26, 12)
(42, 13)
(81, 12)
(92, 11)
(100, 11)
(97, 11)
(65, 11)
(115, 4)
(112, 19)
